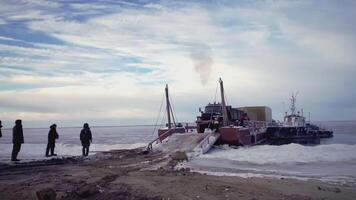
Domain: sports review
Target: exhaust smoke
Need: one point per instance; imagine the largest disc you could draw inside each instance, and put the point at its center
(203, 63)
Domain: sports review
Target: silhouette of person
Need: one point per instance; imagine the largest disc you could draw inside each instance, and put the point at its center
(52, 136)
(17, 139)
(85, 138)
(243, 119)
(0, 129)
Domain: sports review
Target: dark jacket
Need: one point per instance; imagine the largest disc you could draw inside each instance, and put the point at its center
(52, 135)
(17, 135)
(85, 136)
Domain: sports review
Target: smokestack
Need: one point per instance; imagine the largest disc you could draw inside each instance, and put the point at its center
(203, 62)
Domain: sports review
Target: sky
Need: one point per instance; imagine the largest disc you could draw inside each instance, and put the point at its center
(106, 62)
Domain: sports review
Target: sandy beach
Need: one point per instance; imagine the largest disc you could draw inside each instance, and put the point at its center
(134, 174)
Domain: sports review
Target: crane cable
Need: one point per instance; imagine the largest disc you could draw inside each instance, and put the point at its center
(173, 111)
(158, 116)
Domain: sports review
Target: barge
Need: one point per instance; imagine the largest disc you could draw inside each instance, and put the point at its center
(243, 126)
(235, 125)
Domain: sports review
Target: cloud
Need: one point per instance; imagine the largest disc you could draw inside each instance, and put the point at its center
(117, 56)
(74, 101)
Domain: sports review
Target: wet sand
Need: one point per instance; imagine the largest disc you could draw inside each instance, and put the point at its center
(132, 174)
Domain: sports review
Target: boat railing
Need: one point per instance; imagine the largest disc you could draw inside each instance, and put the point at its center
(255, 125)
(165, 134)
(190, 127)
(322, 127)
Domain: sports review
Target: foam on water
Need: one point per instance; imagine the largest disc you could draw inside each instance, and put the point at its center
(291, 153)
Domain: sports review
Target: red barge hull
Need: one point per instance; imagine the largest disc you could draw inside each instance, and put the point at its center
(240, 136)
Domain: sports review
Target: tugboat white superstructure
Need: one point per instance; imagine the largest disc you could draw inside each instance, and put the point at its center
(295, 129)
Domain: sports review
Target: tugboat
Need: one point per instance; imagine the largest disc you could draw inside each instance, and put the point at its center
(294, 129)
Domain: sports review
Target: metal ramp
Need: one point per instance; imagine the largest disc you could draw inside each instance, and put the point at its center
(191, 143)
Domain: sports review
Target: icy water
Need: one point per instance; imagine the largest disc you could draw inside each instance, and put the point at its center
(68, 144)
(334, 160)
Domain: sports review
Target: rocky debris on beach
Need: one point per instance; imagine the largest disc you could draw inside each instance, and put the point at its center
(128, 175)
(46, 194)
(330, 189)
(46, 162)
(88, 190)
(175, 158)
(179, 156)
(118, 191)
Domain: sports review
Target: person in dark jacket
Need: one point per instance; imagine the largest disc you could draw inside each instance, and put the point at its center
(0, 129)
(243, 119)
(17, 139)
(52, 136)
(86, 139)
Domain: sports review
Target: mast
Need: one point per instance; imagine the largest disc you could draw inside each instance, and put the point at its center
(223, 104)
(168, 108)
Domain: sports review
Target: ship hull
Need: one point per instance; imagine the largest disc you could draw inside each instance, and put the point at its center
(240, 136)
(300, 135)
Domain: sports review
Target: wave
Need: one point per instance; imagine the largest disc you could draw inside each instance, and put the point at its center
(291, 153)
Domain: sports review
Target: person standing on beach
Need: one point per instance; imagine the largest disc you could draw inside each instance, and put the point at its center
(52, 136)
(86, 139)
(0, 129)
(17, 139)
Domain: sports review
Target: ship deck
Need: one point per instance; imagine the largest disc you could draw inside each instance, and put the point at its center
(198, 143)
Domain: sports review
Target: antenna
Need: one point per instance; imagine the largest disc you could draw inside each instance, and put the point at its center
(293, 100)
(284, 106)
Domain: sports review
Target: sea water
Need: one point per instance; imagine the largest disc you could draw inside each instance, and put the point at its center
(334, 160)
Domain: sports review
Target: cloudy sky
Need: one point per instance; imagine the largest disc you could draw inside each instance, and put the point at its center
(106, 62)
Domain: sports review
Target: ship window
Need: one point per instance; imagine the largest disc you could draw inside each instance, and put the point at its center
(213, 109)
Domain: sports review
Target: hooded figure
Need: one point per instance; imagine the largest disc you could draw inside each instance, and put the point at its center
(52, 136)
(85, 138)
(243, 119)
(17, 139)
(0, 129)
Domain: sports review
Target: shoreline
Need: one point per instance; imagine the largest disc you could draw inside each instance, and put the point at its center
(135, 174)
